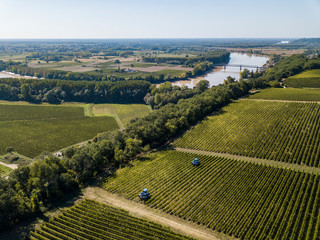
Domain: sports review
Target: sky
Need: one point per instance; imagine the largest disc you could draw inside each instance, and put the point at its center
(74, 19)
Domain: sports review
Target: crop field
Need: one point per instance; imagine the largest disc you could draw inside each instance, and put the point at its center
(307, 79)
(125, 112)
(32, 129)
(308, 74)
(281, 131)
(91, 220)
(291, 94)
(245, 200)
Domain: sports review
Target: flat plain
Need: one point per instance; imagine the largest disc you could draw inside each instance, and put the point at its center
(32, 129)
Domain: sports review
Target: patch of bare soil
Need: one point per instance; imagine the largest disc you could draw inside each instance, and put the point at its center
(12, 166)
(296, 167)
(78, 68)
(159, 68)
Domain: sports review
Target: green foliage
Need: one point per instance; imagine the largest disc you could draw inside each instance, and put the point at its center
(9, 149)
(275, 84)
(287, 132)
(217, 56)
(92, 220)
(57, 91)
(245, 74)
(31, 129)
(201, 68)
(286, 67)
(292, 94)
(166, 93)
(246, 200)
(229, 80)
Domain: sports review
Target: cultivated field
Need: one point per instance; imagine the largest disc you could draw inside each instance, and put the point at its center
(91, 220)
(290, 94)
(281, 131)
(307, 79)
(308, 74)
(248, 201)
(32, 129)
(125, 112)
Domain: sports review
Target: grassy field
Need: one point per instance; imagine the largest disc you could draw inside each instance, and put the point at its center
(125, 112)
(91, 220)
(32, 129)
(287, 132)
(4, 170)
(245, 200)
(306, 79)
(292, 94)
(308, 74)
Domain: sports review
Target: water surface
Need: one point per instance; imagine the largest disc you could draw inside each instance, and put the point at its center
(218, 75)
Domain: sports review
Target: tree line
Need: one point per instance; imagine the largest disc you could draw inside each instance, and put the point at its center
(57, 91)
(217, 56)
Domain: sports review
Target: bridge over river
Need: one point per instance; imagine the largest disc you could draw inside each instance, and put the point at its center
(241, 66)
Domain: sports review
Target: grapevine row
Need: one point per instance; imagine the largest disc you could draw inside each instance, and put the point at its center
(246, 200)
(92, 220)
(286, 132)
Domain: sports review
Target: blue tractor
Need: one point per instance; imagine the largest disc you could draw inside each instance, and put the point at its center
(144, 195)
(195, 162)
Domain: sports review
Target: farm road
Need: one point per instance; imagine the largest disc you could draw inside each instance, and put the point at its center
(277, 100)
(291, 166)
(12, 166)
(142, 211)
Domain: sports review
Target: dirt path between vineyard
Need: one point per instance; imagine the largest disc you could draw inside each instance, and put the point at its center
(291, 166)
(142, 211)
(277, 100)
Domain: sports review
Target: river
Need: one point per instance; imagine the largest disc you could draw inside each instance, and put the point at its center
(219, 74)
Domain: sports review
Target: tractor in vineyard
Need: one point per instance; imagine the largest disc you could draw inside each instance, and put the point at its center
(144, 195)
(195, 162)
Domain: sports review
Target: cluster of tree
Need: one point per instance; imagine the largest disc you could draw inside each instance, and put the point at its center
(24, 70)
(290, 66)
(30, 189)
(166, 93)
(56, 91)
(218, 56)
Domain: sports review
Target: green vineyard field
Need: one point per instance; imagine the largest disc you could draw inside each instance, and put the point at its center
(303, 82)
(291, 94)
(307, 79)
(245, 200)
(92, 220)
(32, 129)
(281, 131)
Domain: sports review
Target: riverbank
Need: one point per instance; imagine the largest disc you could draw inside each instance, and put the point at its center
(5, 74)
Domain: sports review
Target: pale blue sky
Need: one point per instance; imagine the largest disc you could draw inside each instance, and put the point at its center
(159, 18)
